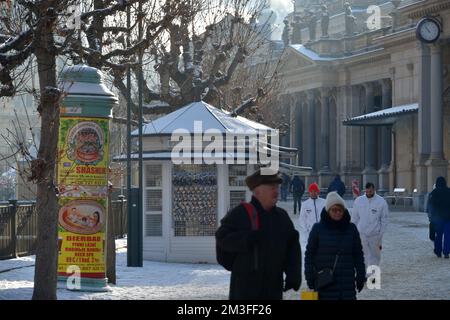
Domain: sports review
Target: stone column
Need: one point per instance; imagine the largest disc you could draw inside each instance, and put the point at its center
(436, 164)
(285, 140)
(325, 173)
(292, 128)
(369, 172)
(352, 137)
(296, 102)
(423, 126)
(311, 151)
(386, 132)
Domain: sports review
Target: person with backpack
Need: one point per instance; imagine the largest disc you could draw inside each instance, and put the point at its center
(439, 208)
(297, 189)
(337, 185)
(258, 243)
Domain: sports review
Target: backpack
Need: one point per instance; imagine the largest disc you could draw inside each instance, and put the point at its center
(226, 258)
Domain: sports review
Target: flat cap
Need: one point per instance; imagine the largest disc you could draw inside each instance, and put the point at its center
(257, 179)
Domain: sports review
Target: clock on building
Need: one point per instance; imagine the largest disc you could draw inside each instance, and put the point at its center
(428, 30)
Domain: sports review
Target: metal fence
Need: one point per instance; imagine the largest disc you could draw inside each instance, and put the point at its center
(120, 217)
(18, 226)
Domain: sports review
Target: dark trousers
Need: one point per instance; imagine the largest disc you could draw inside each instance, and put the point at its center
(284, 193)
(442, 229)
(297, 200)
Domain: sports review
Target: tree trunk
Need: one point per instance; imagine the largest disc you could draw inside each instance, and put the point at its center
(110, 244)
(45, 276)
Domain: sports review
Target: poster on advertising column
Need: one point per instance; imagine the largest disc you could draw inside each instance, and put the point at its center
(83, 152)
(82, 175)
(81, 237)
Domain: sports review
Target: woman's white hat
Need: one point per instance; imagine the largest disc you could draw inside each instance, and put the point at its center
(332, 199)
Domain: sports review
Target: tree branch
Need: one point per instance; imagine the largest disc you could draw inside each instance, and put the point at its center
(17, 43)
(102, 13)
(238, 58)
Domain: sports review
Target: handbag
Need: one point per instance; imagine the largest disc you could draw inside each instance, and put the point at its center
(325, 277)
(309, 295)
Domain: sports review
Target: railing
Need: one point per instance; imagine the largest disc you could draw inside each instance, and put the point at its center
(18, 226)
(120, 217)
(18, 229)
(399, 195)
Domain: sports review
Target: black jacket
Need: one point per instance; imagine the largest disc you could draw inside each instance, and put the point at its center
(439, 200)
(278, 251)
(337, 185)
(325, 240)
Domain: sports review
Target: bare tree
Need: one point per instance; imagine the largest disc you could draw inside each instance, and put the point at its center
(187, 58)
(19, 43)
(190, 51)
(37, 31)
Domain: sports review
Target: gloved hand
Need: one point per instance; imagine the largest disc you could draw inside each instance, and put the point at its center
(360, 286)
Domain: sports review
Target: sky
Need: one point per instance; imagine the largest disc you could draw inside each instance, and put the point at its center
(282, 8)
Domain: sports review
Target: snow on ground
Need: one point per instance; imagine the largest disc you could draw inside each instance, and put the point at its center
(154, 281)
(409, 269)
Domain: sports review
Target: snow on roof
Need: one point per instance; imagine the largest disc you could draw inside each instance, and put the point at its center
(83, 80)
(156, 104)
(382, 117)
(87, 89)
(184, 156)
(210, 117)
(310, 54)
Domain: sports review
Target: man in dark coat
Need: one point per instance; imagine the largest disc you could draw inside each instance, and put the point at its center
(263, 253)
(439, 206)
(298, 189)
(335, 242)
(337, 185)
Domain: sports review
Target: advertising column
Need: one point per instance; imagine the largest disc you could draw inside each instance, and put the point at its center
(82, 179)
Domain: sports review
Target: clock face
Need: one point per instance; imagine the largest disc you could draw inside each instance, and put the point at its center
(428, 30)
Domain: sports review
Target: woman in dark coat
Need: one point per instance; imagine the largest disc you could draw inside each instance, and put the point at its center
(335, 236)
(261, 254)
(439, 207)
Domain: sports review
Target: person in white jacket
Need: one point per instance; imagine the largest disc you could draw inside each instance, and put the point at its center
(370, 215)
(310, 214)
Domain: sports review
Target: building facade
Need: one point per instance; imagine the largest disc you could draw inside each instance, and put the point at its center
(375, 105)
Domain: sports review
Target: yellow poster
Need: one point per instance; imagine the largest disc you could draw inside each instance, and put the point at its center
(82, 152)
(81, 237)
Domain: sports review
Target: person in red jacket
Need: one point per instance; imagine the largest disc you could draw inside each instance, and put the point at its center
(355, 189)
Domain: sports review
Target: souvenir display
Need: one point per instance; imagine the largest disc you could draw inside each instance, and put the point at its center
(236, 175)
(194, 200)
(236, 183)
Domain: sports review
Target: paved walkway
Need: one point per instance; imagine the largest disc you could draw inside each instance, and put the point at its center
(409, 268)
